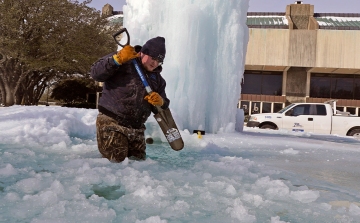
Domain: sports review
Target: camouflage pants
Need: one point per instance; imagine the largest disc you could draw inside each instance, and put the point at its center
(116, 142)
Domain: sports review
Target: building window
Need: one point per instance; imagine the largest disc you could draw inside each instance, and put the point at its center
(357, 87)
(278, 107)
(262, 82)
(351, 110)
(266, 107)
(255, 107)
(342, 87)
(245, 106)
(320, 86)
(336, 86)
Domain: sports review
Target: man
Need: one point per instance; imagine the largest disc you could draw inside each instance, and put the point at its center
(125, 105)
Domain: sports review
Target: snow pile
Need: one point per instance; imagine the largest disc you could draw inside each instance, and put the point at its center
(49, 126)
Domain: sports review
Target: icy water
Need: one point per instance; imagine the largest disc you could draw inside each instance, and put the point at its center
(249, 182)
(51, 171)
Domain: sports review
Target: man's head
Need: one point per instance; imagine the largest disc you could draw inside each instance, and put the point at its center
(153, 53)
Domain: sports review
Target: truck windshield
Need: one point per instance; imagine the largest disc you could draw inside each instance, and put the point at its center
(285, 109)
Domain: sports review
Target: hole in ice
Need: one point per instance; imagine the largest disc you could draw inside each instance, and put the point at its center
(107, 192)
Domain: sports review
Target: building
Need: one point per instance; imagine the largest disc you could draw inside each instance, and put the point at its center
(114, 17)
(301, 56)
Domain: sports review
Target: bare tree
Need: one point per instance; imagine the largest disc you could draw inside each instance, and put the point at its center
(41, 40)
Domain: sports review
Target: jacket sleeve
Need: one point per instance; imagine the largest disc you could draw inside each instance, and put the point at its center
(104, 68)
(160, 89)
(163, 94)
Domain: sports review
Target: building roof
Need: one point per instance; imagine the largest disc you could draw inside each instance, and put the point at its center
(274, 20)
(278, 20)
(350, 21)
(116, 19)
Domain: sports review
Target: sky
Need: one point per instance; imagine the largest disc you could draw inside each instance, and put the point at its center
(329, 6)
(51, 171)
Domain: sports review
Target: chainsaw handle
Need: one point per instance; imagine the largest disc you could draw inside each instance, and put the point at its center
(120, 32)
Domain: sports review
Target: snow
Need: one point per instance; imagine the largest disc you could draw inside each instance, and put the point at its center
(51, 171)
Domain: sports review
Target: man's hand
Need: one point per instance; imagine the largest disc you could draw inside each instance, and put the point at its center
(125, 54)
(154, 99)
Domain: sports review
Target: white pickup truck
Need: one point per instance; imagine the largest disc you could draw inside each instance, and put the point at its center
(320, 118)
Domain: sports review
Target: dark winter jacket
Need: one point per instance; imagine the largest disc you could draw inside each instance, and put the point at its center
(123, 92)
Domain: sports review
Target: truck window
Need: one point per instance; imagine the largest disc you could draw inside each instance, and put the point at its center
(301, 110)
(286, 108)
(321, 110)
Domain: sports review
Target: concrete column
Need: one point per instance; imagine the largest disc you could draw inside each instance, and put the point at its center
(296, 84)
(107, 10)
(308, 79)
(284, 81)
(300, 16)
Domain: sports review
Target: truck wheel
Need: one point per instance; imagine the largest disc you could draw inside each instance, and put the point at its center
(355, 133)
(267, 126)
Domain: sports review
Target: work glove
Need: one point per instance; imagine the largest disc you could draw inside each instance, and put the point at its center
(125, 54)
(154, 99)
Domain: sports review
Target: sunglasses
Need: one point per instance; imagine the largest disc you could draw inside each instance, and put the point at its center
(157, 60)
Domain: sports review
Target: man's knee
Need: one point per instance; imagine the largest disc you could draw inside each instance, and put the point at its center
(112, 144)
(138, 148)
(113, 141)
